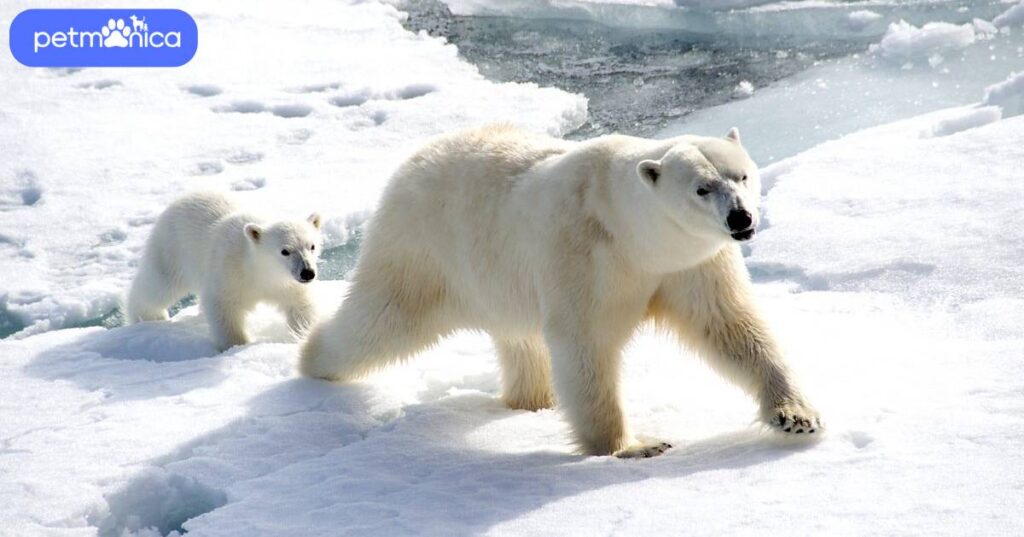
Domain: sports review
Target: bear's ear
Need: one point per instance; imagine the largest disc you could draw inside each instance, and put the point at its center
(734, 135)
(254, 232)
(649, 170)
(314, 219)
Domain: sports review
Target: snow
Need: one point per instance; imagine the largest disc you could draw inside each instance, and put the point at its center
(316, 123)
(842, 96)
(1008, 94)
(1011, 17)
(721, 4)
(905, 42)
(743, 90)
(887, 264)
(740, 20)
(862, 18)
(968, 119)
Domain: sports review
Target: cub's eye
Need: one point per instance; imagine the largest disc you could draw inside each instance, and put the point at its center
(702, 192)
(312, 248)
(743, 179)
(285, 252)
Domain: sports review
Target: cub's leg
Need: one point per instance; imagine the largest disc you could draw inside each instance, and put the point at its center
(225, 313)
(525, 373)
(300, 312)
(712, 308)
(152, 292)
(385, 318)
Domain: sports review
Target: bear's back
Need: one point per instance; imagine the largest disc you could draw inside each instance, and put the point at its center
(183, 237)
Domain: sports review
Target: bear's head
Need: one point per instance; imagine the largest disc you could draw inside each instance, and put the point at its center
(709, 186)
(291, 248)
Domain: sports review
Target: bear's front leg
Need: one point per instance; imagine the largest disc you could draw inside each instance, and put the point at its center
(712, 308)
(585, 375)
(585, 369)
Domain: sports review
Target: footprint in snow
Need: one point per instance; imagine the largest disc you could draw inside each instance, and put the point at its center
(207, 167)
(287, 111)
(113, 236)
(203, 90)
(26, 192)
(361, 96)
(249, 183)
(295, 137)
(242, 156)
(100, 84)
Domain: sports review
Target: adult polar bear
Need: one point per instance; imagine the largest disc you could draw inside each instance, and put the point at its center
(559, 250)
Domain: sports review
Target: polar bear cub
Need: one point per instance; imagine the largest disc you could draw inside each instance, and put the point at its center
(560, 250)
(232, 260)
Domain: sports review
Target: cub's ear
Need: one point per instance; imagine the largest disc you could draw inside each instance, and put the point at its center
(254, 232)
(734, 135)
(314, 219)
(649, 171)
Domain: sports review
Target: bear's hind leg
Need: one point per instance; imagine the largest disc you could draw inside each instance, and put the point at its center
(525, 373)
(151, 293)
(379, 323)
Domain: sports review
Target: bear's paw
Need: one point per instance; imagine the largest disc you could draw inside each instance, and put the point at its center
(795, 418)
(643, 451)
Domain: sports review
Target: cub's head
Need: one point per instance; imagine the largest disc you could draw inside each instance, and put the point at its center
(709, 186)
(291, 248)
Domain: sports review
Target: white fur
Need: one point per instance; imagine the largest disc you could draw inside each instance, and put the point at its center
(203, 245)
(560, 250)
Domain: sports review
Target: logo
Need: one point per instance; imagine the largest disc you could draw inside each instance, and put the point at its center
(103, 38)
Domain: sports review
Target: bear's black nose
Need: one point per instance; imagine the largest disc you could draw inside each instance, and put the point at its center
(739, 220)
(307, 275)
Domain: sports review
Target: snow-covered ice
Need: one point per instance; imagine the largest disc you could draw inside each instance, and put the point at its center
(841, 96)
(888, 264)
(905, 42)
(743, 90)
(1011, 17)
(303, 124)
(861, 18)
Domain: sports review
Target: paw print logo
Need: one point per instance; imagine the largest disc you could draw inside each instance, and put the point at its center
(115, 34)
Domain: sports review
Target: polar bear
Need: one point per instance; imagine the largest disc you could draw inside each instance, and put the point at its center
(560, 250)
(203, 244)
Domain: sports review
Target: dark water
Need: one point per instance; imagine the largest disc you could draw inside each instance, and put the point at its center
(636, 79)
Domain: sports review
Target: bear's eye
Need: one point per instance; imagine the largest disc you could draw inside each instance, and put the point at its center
(702, 192)
(312, 248)
(743, 179)
(285, 252)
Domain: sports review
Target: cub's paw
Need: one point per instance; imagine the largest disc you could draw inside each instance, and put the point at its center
(795, 418)
(643, 451)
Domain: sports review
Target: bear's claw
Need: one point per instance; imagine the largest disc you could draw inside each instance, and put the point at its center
(796, 420)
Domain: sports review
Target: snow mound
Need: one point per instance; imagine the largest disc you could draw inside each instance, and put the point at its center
(743, 90)
(904, 42)
(1008, 95)
(862, 18)
(1011, 17)
(968, 119)
(1002, 100)
(156, 502)
(722, 4)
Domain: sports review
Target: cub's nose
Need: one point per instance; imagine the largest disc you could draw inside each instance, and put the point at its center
(307, 275)
(739, 220)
